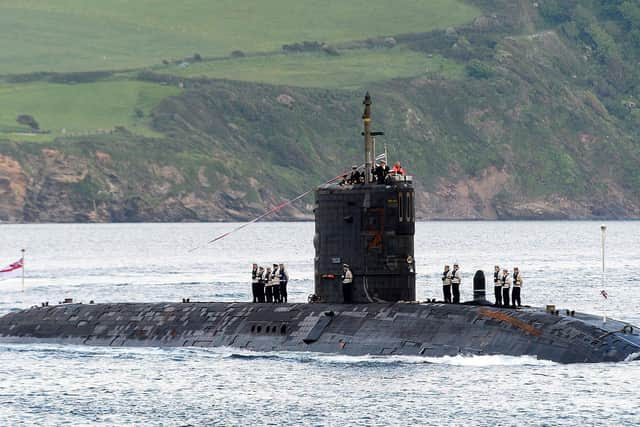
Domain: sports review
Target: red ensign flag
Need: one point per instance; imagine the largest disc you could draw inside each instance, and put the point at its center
(12, 270)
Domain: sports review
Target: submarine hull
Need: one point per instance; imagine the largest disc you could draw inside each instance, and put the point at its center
(429, 330)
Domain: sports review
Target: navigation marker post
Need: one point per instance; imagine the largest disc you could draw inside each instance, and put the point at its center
(603, 229)
(23, 251)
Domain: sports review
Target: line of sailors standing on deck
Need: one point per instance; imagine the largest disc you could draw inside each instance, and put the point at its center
(502, 282)
(451, 284)
(270, 284)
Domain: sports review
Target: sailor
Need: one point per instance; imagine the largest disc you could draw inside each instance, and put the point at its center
(347, 283)
(354, 178)
(380, 172)
(261, 283)
(517, 286)
(446, 284)
(268, 285)
(254, 282)
(497, 285)
(397, 169)
(506, 284)
(275, 283)
(284, 279)
(455, 283)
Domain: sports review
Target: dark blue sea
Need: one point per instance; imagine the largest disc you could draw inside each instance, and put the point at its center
(74, 385)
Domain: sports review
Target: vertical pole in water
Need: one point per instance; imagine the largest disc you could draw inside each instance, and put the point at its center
(23, 270)
(603, 228)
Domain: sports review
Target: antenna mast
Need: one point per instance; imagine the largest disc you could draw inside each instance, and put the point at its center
(368, 142)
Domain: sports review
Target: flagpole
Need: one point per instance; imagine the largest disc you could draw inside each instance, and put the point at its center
(23, 269)
(603, 229)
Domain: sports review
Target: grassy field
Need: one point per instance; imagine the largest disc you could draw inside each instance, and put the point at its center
(352, 69)
(80, 35)
(81, 108)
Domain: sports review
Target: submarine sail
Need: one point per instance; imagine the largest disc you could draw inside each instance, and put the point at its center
(370, 227)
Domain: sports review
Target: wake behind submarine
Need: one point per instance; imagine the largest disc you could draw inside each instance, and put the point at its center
(371, 227)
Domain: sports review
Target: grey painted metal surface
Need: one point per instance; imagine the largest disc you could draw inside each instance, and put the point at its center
(371, 228)
(430, 330)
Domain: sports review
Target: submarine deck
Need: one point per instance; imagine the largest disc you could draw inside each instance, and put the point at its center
(420, 329)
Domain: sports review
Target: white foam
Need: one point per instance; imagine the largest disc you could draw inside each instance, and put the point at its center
(457, 360)
(633, 357)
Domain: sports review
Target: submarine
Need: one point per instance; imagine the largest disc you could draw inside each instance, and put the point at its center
(369, 226)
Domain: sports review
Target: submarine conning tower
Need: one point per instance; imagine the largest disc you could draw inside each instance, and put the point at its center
(370, 227)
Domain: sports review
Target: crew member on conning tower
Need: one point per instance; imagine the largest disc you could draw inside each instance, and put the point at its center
(381, 171)
(397, 169)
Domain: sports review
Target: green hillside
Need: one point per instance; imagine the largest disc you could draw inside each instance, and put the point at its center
(80, 35)
(350, 69)
(81, 108)
(498, 108)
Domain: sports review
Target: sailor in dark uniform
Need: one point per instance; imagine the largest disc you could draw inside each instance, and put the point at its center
(497, 285)
(354, 178)
(261, 283)
(446, 284)
(380, 172)
(267, 284)
(284, 279)
(455, 283)
(517, 286)
(254, 282)
(275, 283)
(506, 284)
(347, 283)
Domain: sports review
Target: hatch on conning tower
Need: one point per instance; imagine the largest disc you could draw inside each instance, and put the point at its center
(370, 227)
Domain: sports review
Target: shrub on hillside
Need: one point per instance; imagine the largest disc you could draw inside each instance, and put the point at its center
(27, 120)
(79, 77)
(479, 70)
(305, 46)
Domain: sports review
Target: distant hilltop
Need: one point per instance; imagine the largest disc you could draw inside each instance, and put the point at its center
(498, 109)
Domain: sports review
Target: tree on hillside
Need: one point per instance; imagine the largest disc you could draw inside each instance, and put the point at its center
(27, 120)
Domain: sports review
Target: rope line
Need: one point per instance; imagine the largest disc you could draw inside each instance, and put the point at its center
(267, 213)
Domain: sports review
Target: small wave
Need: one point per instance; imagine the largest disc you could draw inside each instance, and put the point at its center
(373, 360)
(230, 353)
(633, 357)
(256, 356)
(489, 360)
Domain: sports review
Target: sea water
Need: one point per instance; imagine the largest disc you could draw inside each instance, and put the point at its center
(560, 263)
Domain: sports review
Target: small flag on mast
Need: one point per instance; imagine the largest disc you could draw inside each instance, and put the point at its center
(382, 156)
